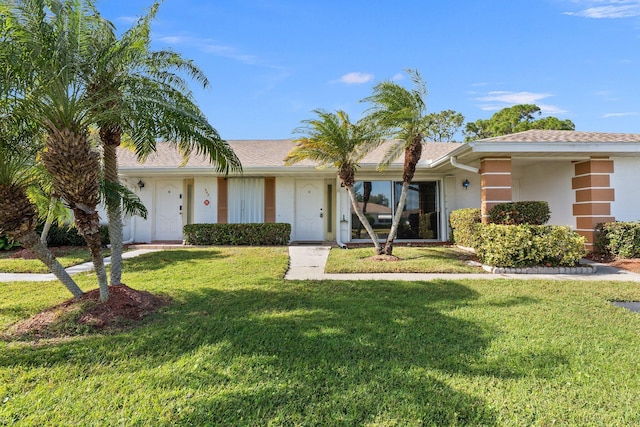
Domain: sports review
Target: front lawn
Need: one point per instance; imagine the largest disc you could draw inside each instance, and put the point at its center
(12, 262)
(431, 259)
(241, 346)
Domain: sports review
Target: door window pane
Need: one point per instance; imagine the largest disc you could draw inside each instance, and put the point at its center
(374, 197)
(420, 214)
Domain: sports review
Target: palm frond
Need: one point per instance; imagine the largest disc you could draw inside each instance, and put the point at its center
(112, 193)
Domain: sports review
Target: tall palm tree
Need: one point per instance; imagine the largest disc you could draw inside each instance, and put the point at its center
(148, 99)
(400, 114)
(55, 37)
(332, 140)
(19, 216)
(20, 140)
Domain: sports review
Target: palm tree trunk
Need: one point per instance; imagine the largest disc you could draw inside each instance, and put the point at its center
(74, 168)
(88, 225)
(49, 221)
(114, 211)
(363, 219)
(32, 242)
(19, 223)
(411, 158)
(388, 246)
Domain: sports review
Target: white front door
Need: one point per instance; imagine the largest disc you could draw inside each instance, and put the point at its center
(168, 213)
(309, 210)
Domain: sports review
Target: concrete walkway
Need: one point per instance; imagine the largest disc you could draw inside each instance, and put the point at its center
(308, 263)
(80, 268)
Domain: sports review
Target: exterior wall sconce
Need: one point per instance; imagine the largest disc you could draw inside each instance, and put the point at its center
(465, 184)
(140, 184)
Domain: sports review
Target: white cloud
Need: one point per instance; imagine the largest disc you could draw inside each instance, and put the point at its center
(127, 19)
(397, 77)
(513, 97)
(612, 9)
(355, 78)
(497, 100)
(628, 114)
(212, 47)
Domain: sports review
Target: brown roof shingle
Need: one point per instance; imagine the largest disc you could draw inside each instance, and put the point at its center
(536, 135)
(260, 154)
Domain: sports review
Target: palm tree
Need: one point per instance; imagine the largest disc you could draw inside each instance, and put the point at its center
(20, 141)
(400, 114)
(147, 99)
(19, 216)
(55, 38)
(332, 140)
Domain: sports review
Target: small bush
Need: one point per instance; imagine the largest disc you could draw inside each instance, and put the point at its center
(7, 244)
(268, 234)
(462, 226)
(65, 236)
(528, 245)
(516, 213)
(620, 239)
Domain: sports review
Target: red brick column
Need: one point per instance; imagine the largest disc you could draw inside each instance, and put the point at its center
(495, 183)
(594, 195)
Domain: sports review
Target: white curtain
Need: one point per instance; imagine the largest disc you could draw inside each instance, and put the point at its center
(245, 200)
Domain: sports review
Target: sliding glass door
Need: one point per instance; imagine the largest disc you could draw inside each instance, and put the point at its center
(378, 200)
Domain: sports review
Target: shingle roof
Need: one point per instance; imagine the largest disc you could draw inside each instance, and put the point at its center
(261, 154)
(565, 136)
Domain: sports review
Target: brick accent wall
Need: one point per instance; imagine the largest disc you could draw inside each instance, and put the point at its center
(593, 196)
(495, 183)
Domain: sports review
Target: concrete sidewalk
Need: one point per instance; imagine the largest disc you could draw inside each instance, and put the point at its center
(308, 263)
(80, 268)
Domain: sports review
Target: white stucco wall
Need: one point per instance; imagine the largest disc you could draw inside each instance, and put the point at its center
(343, 212)
(549, 181)
(285, 211)
(205, 189)
(143, 228)
(624, 180)
(455, 194)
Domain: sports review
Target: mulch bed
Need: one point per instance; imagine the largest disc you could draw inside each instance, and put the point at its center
(124, 306)
(27, 254)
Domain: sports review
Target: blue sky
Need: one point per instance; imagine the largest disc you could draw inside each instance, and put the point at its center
(271, 62)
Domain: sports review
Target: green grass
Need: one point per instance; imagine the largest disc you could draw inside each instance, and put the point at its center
(433, 259)
(67, 256)
(241, 346)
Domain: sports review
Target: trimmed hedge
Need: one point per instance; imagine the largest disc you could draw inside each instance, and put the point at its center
(462, 223)
(620, 239)
(516, 213)
(528, 245)
(268, 234)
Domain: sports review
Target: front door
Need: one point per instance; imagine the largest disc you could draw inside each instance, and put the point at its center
(309, 210)
(168, 212)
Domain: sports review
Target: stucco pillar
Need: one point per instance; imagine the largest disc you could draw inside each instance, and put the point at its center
(495, 185)
(594, 195)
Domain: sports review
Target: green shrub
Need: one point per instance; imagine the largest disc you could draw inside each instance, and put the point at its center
(528, 245)
(66, 236)
(7, 244)
(462, 223)
(516, 213)
(268, 234)
(620, 239)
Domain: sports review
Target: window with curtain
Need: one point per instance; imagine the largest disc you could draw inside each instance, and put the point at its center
(245, 200)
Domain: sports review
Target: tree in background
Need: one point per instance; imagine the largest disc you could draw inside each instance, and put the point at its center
(400, 114)
(518, 118)
(332, 140)
(443, 126)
